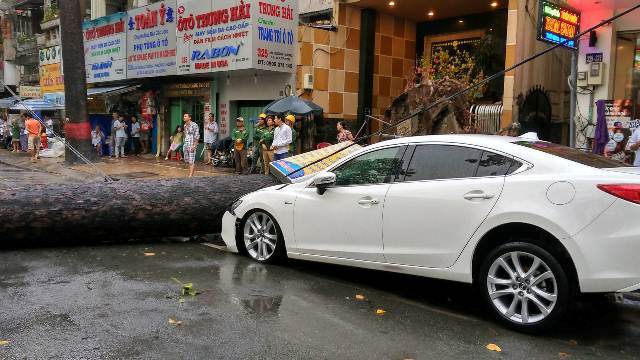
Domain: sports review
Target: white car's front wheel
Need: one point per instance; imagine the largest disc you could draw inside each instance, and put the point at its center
(525, 286)
(262, 237)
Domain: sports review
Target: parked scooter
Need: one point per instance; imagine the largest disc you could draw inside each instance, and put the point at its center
(223, 154)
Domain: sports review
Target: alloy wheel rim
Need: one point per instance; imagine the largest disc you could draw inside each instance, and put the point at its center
(260, 236)
(522, 287)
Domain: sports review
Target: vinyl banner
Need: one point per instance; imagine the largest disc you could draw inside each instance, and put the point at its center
(282, 168)
(213, 35)
(105, 50)
(151, 40)
(275, 35)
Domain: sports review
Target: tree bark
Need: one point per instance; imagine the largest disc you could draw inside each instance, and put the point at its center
(78, 130)
(137, 209)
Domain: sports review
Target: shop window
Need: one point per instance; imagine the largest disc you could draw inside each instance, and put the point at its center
(627, 69)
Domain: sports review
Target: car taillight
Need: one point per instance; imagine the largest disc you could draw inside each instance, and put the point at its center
(629, 192)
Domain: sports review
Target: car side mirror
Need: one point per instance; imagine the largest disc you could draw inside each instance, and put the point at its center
(324, 181)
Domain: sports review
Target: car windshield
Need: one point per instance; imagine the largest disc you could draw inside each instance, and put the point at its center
(571, 154)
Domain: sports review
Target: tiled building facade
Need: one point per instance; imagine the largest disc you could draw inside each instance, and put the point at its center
(333, 58)
(394, 61)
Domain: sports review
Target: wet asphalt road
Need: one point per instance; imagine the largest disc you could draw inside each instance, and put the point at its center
(113, 302)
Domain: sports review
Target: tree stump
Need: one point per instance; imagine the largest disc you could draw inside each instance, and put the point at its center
(135, 209)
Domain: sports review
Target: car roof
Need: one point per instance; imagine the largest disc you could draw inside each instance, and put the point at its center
(470, 139)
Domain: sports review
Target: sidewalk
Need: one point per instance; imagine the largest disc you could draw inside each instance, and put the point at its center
(17, 169)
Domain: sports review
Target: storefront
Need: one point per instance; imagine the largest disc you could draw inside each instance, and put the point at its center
(609, 72)
(222, 57)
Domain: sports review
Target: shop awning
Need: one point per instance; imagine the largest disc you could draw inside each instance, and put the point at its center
(111, 90)
(36, 105)
(7, 102)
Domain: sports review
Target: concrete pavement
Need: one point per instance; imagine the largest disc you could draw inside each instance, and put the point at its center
(16, 169)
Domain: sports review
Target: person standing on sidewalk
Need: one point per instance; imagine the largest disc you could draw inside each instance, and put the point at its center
(191, 138)
(211, 131)
(135, 135)
(240, 138)
(257, 136)
(112, 138)
(121, 136)
(146, 128)
(15, 135)
(24, 134)
(49, 125)
(290, 121)
(265, 144)
(281, 140)
(34, 128)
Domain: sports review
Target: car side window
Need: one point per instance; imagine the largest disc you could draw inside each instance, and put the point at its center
(375, 167)
(435, 162)
(492, 164)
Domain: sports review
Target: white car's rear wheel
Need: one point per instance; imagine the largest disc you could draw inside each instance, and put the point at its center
(525, 286)
(261, 237)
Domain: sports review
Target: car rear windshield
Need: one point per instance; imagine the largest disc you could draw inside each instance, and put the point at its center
(571, 154)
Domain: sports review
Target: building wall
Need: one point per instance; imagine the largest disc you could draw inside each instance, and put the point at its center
(553, 78)
(333, 59)
(268, 87)
(394, 61)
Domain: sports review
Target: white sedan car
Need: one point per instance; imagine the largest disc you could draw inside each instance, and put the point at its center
(531, 224)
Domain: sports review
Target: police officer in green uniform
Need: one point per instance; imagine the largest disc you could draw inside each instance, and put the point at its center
(256, 156)
(240, 139)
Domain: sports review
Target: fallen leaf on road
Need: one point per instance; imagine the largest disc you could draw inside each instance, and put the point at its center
(360, 297)
(175, 322)
(149, 254)
(563, 355)
(181, 300)
(494, 347)
(4, 342)
(380, 312)
(573, 343)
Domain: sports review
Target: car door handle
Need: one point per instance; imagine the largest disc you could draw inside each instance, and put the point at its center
(368, 202)
(478, 195)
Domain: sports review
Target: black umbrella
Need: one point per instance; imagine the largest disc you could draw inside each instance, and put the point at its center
(293, 105)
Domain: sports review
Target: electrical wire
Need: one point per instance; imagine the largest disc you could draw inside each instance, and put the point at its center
(470, 87)
(75, 151)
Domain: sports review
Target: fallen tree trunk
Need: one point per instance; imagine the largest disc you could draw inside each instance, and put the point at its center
(133, 209)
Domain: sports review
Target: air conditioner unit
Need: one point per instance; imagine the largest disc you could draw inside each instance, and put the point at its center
(307, 83)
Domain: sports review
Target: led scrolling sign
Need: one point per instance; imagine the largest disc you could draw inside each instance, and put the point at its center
(558, 24)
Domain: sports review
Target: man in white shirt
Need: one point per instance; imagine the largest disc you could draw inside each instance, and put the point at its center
(282, 138)
(119, 126)
(634, 142)
(210, 136)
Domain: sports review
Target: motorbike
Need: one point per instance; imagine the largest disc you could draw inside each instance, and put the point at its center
(223, 154)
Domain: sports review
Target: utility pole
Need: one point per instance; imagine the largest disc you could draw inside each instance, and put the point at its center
(78, 130)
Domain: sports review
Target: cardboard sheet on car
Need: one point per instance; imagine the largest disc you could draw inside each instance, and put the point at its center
(282, 169)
